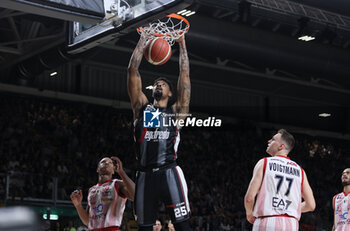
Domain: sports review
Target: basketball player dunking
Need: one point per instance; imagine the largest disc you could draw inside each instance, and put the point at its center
(159, 178)
(341, 204)
(280, 184)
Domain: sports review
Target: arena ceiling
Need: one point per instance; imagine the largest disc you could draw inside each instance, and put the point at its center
(250, 45)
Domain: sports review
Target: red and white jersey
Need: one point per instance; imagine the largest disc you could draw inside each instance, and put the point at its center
(106, 205)
(281, 188)
(341, 203)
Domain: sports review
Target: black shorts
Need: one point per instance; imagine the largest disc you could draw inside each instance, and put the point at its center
(166, 185)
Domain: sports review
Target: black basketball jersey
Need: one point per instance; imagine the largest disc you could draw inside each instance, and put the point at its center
(156, 146)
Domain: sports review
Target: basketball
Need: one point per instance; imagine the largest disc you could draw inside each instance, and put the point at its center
(158, 51)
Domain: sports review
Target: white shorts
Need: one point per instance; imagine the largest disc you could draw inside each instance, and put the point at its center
(278, 223)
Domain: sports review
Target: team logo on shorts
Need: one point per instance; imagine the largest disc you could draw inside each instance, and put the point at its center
(151, 118)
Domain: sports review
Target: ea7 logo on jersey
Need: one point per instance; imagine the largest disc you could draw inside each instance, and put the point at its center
(151, 119)
(280, 204)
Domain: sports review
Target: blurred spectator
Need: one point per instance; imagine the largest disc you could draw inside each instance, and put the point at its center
(157, 226)
(171, 226)
(70, 226)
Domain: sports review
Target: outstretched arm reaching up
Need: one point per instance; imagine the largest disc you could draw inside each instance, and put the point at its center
(184, 84)
(127, 187)
(137, 97)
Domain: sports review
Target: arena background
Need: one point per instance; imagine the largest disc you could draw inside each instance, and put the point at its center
(248, 68)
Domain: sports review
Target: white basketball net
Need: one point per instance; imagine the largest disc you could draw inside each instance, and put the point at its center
(170, 30)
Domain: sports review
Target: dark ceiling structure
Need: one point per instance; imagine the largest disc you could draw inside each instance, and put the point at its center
(247, 44)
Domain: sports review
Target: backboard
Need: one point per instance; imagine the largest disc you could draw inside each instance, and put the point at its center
(73, 10)
(122, 16)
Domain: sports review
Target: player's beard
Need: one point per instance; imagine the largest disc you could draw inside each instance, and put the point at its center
(345, 183)
(158, 95)
(104, 171)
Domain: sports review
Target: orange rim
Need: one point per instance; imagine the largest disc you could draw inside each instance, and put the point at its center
(180, 18)
(170, 16)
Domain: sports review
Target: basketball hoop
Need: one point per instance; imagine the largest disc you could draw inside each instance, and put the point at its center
(170, 29)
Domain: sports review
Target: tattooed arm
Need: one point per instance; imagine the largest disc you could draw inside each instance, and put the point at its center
(137, 97)
(184, 84)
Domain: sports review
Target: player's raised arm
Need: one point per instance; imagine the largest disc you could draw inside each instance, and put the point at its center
(184, 83)
(127, 187)
(77, 197)
(309, 203)
(333, 227)
(253, 190)
(137, 97)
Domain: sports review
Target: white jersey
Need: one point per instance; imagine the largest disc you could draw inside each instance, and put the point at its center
(106, 205)
(341, 203)
(281, 188)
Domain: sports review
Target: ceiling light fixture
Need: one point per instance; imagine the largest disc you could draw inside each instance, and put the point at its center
(324, 115)
(182, 11)
(190, 13)
(53, 73)
(306, 38)
(186, 13)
